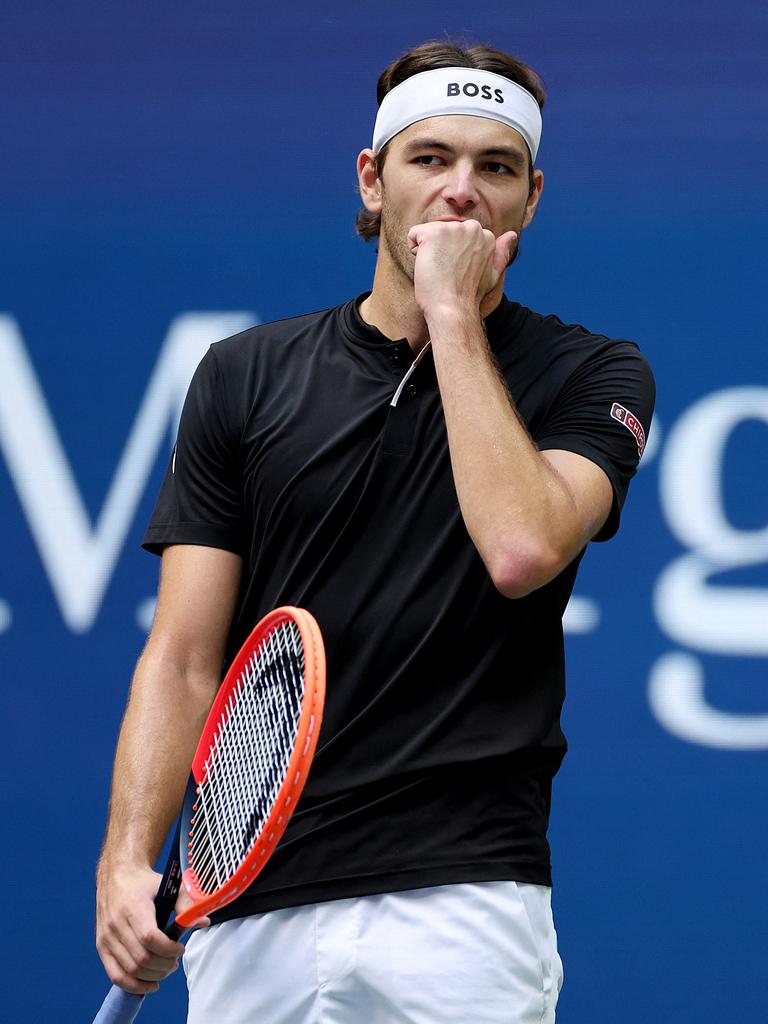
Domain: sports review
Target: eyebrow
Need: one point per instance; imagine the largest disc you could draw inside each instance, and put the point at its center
(514, 156)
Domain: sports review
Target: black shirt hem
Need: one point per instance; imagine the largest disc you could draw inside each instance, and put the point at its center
(325, 890)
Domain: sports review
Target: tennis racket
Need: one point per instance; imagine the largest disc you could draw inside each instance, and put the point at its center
(248, 772)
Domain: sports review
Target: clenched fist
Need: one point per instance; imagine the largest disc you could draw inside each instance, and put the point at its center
(459, 265)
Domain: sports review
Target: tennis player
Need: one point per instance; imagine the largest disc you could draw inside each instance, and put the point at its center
(422, 467)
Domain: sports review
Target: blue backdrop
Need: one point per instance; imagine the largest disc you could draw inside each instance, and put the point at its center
(170, 173)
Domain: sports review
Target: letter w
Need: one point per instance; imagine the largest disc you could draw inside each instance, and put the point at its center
(79, 557)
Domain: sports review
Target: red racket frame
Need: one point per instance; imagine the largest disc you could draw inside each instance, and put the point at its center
(298, 764)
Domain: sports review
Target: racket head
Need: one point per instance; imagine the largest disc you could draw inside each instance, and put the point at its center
(275, 687)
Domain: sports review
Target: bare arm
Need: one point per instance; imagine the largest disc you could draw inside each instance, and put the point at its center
(172, 690)
(528, 513)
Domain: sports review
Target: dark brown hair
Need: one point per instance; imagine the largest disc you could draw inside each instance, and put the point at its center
(446, 54)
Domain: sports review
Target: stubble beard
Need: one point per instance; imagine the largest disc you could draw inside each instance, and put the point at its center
(394, 234)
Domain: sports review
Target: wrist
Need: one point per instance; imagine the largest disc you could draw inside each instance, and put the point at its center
(451, 314)
(457, 324)
(122, 860)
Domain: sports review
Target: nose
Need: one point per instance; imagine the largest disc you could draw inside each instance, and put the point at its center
(460, 188)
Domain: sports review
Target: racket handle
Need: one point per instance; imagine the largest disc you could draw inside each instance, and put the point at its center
(119, 1007)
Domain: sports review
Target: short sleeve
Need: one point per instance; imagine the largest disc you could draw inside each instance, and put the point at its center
(199, 501)
(603, 412)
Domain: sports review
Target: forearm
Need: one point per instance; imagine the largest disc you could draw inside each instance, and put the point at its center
(169, 700)
(518, 511)
(173, 687)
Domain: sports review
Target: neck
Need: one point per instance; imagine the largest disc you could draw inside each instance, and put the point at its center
(391, 307)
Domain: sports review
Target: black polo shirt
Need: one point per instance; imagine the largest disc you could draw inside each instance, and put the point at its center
(441, 733)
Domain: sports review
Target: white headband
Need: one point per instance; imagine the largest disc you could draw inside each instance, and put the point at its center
(458, 91)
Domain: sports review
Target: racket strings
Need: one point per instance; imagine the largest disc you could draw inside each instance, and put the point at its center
(248, 758)
(234, 815)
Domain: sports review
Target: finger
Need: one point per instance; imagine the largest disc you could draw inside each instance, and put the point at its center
(420, 232)
(505, 242)
(119, 976)
(503, 251)
(131, 941)
(414, 237)
(201, 922)
(135, 960)
(158, 944)
(120, 940)
(151, 974)
(185, 902)
(151, 938)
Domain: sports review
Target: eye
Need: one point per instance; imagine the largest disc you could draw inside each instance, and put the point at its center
(496, 168)
(428, 160)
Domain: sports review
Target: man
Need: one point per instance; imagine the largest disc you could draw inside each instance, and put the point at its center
(422, 469)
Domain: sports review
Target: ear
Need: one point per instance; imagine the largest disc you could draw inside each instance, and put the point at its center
(369, 181)
(533, 199)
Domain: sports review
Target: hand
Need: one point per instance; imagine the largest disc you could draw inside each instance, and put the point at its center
(136, 954)
(459, 264)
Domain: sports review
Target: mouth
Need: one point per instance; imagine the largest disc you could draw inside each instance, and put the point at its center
(457, 220)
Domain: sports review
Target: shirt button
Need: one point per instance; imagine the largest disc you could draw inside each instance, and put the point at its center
(412, 390)
(396, 358)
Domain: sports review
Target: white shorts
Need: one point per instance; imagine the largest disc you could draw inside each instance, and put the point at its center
(473, 953)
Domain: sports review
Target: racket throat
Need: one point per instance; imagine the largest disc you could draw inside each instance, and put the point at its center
(167, 894)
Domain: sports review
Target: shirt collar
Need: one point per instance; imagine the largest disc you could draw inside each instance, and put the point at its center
(499, 325)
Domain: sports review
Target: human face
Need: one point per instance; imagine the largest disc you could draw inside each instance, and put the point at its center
(454, 168)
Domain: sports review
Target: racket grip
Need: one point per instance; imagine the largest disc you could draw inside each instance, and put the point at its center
(119, 1007)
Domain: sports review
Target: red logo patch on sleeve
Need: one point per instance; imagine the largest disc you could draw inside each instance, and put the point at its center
(632, 423)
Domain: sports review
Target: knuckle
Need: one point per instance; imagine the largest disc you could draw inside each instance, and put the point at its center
(144, 959)
(123, 980)
(130, 967)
